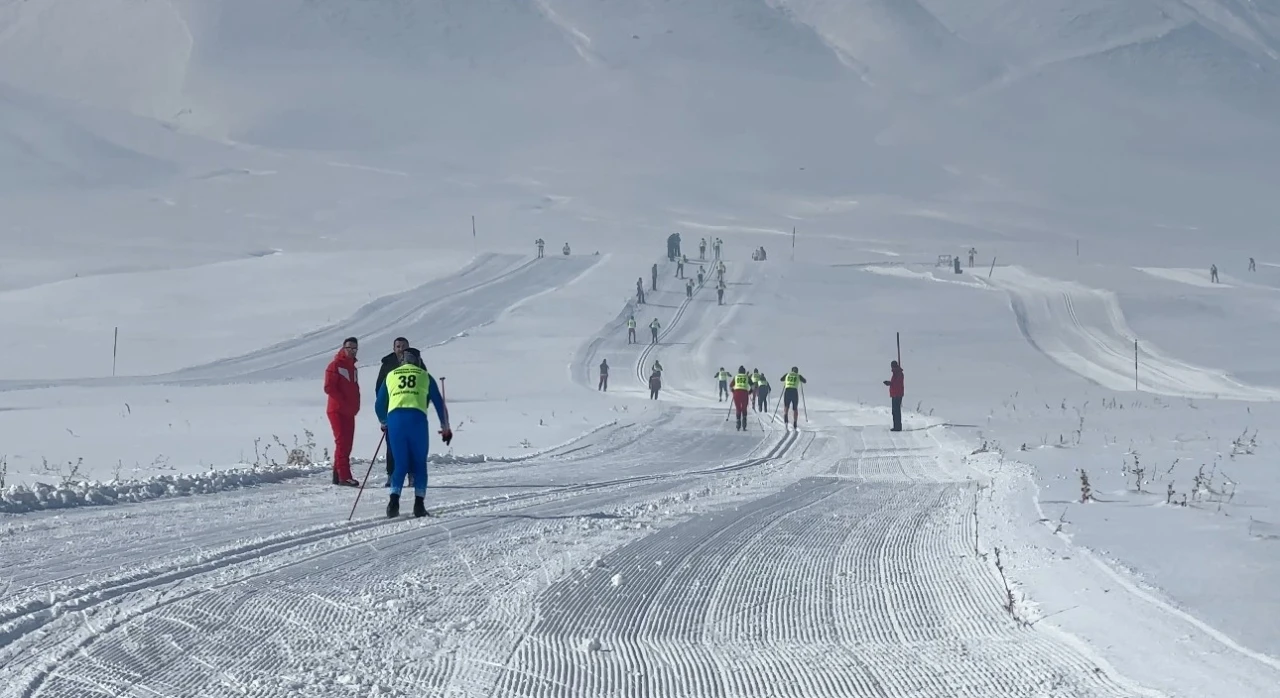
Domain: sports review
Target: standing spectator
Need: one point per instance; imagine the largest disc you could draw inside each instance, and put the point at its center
(655, 384)
(604, 375)
(896, 392)
(391, 362)
(342, 385)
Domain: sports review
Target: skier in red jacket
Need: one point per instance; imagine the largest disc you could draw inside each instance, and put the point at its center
(895, 392)
(342, 385)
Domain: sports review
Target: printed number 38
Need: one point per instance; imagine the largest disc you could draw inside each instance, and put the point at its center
(408, 382)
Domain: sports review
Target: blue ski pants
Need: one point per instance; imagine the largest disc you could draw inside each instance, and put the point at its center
(408, 441)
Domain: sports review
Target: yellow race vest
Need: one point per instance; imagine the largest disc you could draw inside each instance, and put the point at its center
(791, 380)
(408, 387)
(723, 376)
(741, 382)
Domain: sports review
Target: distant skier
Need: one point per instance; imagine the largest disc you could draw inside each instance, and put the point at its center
(763, 256)
(680, 267)
(741, 392)
(896, 391)
(655, 384)
(688, 289)
(541, 244)
(716, 246)
(973, 252)
(565, 249)
(702, 249)
(654, 273)
(791, 396)
(755, 384)
(701, 273)
(720, 292)
(1252, 265)
(402, 409)
(1213, 273)
(722, 381)
(657, 367)
(631, 329)
(653, 330)
(762, 393)
(639, 291)
(677, 249)
(342, 385)
(390, 362)
(604, 375)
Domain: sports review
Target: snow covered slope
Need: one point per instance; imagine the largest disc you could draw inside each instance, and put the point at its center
(203, 199)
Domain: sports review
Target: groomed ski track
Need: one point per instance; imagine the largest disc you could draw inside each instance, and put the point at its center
(667, 555)
(434, 314)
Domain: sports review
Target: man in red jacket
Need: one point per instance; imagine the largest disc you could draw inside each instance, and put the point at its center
(342, 385)
(895, 392)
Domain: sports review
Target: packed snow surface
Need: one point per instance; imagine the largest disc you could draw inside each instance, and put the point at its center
(202, 200)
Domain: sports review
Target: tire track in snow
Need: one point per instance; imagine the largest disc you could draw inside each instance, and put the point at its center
(833, 586)
(1084, 330)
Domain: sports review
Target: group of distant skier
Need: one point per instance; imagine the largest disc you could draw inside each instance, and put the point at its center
(1213, 270)
(405, 388)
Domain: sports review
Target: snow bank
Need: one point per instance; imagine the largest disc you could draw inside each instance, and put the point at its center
(19, 499)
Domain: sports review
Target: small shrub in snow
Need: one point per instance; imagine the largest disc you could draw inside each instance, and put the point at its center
(1086, 492)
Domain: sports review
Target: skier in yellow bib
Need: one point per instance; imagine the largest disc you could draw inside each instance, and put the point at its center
(402, 409)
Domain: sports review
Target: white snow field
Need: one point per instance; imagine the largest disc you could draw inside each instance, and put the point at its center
(202, 199)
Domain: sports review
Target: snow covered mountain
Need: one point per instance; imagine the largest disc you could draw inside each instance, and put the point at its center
(202, 199)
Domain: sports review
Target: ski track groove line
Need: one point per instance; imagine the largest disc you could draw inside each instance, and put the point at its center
(735, 603)
(24, 623)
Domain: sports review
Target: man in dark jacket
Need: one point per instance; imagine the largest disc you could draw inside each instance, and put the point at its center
(896, 391)
(391, 362)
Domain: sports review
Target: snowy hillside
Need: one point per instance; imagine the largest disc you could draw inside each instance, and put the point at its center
(202, 200)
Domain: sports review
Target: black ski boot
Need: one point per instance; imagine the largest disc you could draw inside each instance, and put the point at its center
(335, 477)
(419, 508)
(393, 506)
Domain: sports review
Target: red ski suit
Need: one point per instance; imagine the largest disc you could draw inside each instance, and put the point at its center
(342, 385)
(740, 400)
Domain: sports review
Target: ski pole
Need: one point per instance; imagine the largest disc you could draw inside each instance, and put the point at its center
(803, 403)
(444, 400)
(366, 475)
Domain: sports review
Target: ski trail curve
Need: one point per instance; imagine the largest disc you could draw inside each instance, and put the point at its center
(1084, 330)
(433, 314)
(830, 587)
(307, 600)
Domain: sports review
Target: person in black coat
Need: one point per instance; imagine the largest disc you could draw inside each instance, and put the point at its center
(391, 362)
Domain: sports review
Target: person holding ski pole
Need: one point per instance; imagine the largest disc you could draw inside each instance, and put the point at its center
(402, 409)
(722, 380)
(653, 330)
(762, 393)
(791, 396)
(741, 393)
